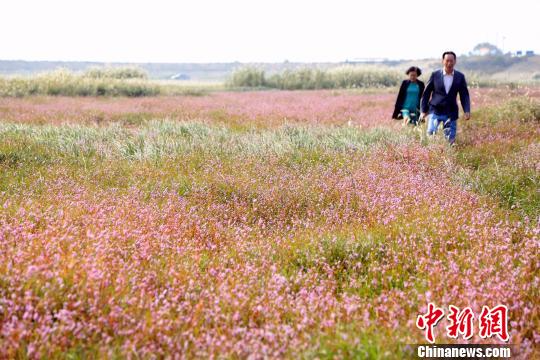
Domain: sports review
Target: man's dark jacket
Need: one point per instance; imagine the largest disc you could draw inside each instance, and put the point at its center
(436, 100)
(403, 94)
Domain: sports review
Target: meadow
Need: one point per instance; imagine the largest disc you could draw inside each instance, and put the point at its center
(260, 224)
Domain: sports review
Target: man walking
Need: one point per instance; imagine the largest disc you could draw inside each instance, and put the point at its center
(440, 98)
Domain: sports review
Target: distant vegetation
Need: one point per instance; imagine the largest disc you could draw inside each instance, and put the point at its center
(94, 82)
(489, 64)
(131, 82)
(116, 73)
(96, 79)
(485, 59)
(309, 78)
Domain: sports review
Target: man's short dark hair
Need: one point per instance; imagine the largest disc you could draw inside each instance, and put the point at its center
(414, 68)
(449, 53)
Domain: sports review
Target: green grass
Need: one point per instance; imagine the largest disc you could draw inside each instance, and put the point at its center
(157, 139)
(351, 342)
(506, 166)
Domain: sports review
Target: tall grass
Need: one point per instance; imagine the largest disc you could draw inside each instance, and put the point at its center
(309, 78)
(159, 139)
(301, 79)
(66, 83)
(354, 77)
(247, 77)
(116, 73)
(131, 82)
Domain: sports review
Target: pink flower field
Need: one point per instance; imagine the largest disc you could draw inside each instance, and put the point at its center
(269, 108)
(261, 225)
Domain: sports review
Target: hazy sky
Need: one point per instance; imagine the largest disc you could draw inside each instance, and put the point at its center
(266, 31)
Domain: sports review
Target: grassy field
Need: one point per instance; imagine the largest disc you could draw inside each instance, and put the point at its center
(272, 224)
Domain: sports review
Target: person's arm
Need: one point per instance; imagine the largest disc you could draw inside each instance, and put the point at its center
(465, 99)
(422, 87)
(427, 95)
(399, 100)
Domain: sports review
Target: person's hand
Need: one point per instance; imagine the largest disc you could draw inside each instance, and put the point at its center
(423, 116)
(467, 116)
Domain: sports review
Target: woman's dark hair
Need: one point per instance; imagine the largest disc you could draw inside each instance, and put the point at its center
(449, 53)
(414, 68)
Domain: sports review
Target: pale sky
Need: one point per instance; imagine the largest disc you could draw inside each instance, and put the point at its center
(260, 31)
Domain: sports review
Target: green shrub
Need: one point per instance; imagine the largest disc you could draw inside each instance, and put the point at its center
(311, 78)
(300, 79)
(247, 77)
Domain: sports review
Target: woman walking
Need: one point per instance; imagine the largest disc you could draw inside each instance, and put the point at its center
(408, 100)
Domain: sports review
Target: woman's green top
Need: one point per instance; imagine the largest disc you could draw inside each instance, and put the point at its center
(411, 100)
